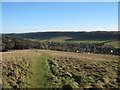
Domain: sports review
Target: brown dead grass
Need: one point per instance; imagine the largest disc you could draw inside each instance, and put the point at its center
(16, 67)
(17, 64)
(81, 56)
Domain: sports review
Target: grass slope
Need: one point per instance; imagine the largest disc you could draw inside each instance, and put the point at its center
(69, 39)
(115, 44)
(74, 36)
(16, 68)
(51, 69)
(41, 73)
(76, 73)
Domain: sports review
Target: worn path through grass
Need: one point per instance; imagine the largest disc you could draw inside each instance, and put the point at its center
(58, 69)
(41, 73)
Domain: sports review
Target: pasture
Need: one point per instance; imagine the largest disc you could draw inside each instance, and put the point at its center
(37, 68)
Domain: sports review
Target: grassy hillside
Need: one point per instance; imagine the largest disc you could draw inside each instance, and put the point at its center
(16, 68)
(56, 69)
(41, 77)
(70, 40)
(14, 43)
(115, 44)
(70, 36)
(73, 37)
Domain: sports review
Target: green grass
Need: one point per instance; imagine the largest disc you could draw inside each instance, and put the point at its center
(59, 39)
(115, 44)
(41, 77)
(60, 70)
(66, 39)
(88, 41)
(54, 39)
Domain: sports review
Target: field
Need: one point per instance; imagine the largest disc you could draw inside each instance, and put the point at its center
(16, 66)
(68, 39)
(115, 44)
(110, 39)
(59, 45)
(56, 69)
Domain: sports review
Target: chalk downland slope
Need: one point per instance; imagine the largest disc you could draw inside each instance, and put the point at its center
(57, 69)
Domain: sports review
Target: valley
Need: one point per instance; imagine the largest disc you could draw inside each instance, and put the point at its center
(60, 60)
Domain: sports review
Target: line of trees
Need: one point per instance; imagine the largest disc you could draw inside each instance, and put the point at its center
(11, 43)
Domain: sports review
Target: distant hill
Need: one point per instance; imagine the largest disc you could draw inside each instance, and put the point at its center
(69, 36)
(13, 43)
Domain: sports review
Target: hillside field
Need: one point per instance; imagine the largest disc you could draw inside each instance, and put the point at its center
(110, 38)
(115, 44)
(37, 68)
(69, 36)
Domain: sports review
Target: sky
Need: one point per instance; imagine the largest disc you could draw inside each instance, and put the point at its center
(20, 17)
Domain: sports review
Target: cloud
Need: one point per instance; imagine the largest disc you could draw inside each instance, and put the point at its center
(71, 27)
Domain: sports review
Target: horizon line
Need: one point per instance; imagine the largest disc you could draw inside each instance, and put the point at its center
(54, 31)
